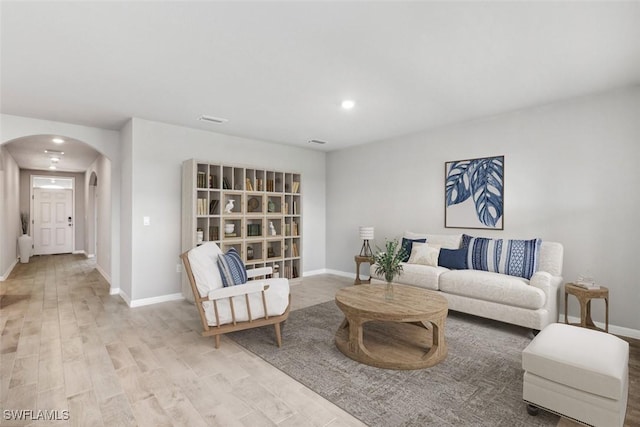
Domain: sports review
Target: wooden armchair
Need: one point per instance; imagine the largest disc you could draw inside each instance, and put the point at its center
(257, 303)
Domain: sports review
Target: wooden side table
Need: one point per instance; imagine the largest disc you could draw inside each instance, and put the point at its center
(584, 297)
(359, 260)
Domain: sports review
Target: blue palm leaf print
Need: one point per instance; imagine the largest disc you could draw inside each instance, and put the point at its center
(457, 185)
(481, 179)
(486, 185)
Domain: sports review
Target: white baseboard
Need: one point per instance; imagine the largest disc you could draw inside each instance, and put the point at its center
(104, 274)
(5, 276)
(616, 330)
(90, 255)
(78, 252)
(125, 297)
(114, 291)
(314, 272)
(155, 300)
(340, 273)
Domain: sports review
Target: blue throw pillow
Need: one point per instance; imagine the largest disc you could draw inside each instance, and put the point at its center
(232, 269)
(520, 257)
(453, 259)
(465, 241)
(407, 245)
(484, 254)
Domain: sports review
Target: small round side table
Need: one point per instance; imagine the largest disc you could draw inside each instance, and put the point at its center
(584, 297)
(359, 260)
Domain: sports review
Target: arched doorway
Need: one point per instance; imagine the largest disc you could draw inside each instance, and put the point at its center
(92, 215)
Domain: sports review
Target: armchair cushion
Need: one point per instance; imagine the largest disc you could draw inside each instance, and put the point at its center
(203, 260)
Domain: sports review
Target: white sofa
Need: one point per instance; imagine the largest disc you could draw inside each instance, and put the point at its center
(530, 303)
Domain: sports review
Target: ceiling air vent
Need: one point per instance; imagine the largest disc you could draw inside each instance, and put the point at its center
(212, 119)
(317, 141)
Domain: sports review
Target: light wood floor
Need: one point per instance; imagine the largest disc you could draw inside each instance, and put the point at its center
(67, 345)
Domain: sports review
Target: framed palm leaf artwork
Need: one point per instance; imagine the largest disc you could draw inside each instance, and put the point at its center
(474, 193)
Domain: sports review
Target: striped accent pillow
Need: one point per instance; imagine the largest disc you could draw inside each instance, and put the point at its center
(520, 257)
(484, 254)
(232, 269)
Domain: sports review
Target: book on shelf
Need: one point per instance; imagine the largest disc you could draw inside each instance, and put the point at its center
(287, 229)
(295, 207)
(295, 186)
(201, 206)
(202, 180)
(270, 186)
(249, 185)
(294, 225)
(213, 181)
(212, 206)
(285, 207)
(226, 185)
(213, 233)
(294, 250)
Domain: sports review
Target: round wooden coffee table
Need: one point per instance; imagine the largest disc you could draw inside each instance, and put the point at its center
(404, 332)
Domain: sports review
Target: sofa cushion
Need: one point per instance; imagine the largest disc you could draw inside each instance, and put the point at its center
(407, 245)
(496, 287)
(203, 260)
(453, 259)
(424, 254)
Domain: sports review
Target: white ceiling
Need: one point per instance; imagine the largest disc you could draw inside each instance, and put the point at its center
(279, 70)
(29, 153)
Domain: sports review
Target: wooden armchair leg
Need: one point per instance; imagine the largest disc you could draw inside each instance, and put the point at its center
(217, 337)
(278, 335)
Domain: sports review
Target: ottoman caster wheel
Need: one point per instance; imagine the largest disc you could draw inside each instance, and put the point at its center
(532, 410)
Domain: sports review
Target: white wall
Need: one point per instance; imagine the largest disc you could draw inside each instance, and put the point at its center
(126, 209)
(78, 200)
(158, 151)
(10, 227)
(102, 168)
(570, 176)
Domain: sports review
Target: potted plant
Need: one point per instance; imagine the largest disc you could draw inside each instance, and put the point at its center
(388, 263)
(25, 242)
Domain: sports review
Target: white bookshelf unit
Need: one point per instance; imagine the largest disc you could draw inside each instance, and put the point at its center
(266, 215)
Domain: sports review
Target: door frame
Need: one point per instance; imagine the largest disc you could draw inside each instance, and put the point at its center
(73, 206)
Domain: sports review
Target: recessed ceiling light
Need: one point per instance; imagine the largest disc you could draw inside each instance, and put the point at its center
(58, 140)
(212, 119)
(52, 167)
(348, 104)
(55, 159)
(57, 153)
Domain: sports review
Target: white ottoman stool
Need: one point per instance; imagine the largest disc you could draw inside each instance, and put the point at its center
(578, 373)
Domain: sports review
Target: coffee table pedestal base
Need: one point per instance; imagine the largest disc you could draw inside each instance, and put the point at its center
(393, 345)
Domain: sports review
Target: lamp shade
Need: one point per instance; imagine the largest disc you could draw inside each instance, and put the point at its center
(366, 233)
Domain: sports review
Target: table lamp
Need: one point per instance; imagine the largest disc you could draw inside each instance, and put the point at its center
(366, 234)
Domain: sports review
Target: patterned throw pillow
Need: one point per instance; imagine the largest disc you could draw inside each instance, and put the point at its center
(407, 245)
(484, 254)
(232, 269)
(520, 257)
(513, 257)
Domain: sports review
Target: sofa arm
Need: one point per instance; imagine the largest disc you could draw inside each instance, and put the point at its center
(550, 285)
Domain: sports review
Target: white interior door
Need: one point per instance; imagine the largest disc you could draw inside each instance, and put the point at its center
(52, 221)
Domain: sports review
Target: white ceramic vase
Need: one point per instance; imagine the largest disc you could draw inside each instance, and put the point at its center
(25, 243)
